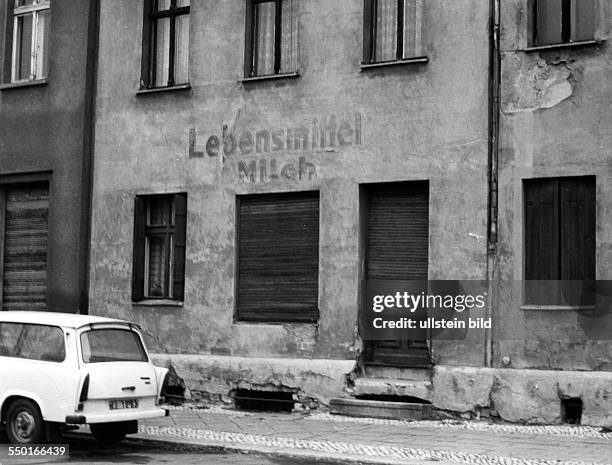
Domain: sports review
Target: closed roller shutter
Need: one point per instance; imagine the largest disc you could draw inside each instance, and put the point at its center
(397, 241)
(25, 248)
(278, 257)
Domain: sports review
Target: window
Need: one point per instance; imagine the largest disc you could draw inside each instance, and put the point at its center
(392, 30)
(271, 42)
(34, 342)
(165, 43)
(112, 345)
(278, 257)
(559, 236)
(159, 247)
(29, 47)
(563, 21)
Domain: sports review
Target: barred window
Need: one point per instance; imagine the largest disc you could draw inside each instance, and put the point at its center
(563, 21)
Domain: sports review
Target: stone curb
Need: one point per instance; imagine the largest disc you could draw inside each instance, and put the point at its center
(335, 450)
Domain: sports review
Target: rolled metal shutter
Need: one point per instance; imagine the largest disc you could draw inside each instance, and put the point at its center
(25, 248)
(278, 257)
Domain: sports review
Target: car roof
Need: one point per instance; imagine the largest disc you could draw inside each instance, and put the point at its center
(66, 320)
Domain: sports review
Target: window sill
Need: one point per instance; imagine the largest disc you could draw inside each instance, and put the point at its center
(538, 48)
(558, 307)
(385, 64)
(158, 90)
(157, 303)
(270, 77)
(18, 84)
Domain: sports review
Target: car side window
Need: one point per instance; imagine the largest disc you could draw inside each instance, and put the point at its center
(34, 342)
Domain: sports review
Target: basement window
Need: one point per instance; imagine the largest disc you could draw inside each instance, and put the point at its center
(263, 401)
(571, 410)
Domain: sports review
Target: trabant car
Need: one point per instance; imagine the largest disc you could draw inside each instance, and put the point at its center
(61, 370)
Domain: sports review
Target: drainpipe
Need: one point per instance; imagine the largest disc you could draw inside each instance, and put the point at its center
(93, 23)
(493, 150)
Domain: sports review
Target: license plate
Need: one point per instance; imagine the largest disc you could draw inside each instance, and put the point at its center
(122, 403)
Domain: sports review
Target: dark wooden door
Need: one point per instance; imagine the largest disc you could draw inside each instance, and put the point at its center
(396, 248)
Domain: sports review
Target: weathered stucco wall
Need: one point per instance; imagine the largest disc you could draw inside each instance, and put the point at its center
(555, 121)
(42, 129)
(418, 121)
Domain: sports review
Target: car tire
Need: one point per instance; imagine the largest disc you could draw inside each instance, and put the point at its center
(24, 423)
(108, 433)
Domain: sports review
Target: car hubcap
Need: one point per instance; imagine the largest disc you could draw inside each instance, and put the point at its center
(24, 424)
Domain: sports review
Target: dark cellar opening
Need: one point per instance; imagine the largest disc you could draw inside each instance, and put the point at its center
(571, 410)
(263, 401)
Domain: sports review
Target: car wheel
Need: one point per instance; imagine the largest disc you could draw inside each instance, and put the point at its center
(107, 433)
(24, 423)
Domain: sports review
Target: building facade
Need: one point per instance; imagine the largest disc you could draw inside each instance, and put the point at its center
(255, 162)
(47, 51)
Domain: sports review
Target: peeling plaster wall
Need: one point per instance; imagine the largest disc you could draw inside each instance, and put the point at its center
(420, 121)
(555, 121)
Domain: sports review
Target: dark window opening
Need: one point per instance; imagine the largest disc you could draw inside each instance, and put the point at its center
(571, 410)
(159, 247)
(392, 30)
(559, 240)
(165, 43)
(263, 401)
(271, 37)
(563, 21)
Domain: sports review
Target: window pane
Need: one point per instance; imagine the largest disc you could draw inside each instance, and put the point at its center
(265, 16)
(548, 22)
(34, 342)
(584, 23)
(289, 36)
(42, 41)
(413, 16)
(163, 5)
(181, 52)
(157, 266)
(23, 47)
(9, 335)
(386, 30)
(162, 52)
(112, 345)
(25, 2)
(160, 211)
(181, 3)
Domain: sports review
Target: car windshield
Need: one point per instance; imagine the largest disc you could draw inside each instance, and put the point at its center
(112, 345)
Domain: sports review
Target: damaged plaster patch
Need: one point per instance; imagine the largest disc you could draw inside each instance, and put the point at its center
(539, 86)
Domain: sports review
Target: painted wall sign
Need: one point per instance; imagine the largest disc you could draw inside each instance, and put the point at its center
(327, 132)
(264, 170)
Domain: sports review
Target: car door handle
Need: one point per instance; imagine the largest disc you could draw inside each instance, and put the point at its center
(128, 388)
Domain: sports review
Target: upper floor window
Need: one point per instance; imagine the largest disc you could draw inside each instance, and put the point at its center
(563, 21)
(392, 30)
(30, 44)
(271, 37)
(165, 57)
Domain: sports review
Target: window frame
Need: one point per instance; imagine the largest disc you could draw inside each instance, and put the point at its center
(174, 234)
(251, 44)
(370, 8)
(13, 52)
(554, 201)
(568, 26)
(149, 44)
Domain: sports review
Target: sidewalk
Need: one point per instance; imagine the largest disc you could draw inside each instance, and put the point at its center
(368, 440)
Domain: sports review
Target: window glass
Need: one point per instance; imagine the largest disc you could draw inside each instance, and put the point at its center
(112, 345)
(24, 46)
(181, 52)
(386, 30)
(162, 55)
(265, 14)
(157, 269)
(35, 342)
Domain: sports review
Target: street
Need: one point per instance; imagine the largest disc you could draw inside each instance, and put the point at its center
(84, 450)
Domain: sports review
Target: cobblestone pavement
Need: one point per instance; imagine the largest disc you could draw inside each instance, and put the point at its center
(384, 441)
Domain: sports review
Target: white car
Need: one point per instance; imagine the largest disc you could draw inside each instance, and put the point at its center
(58, 370)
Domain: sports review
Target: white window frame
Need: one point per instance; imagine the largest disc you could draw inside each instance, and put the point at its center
(36, 61)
